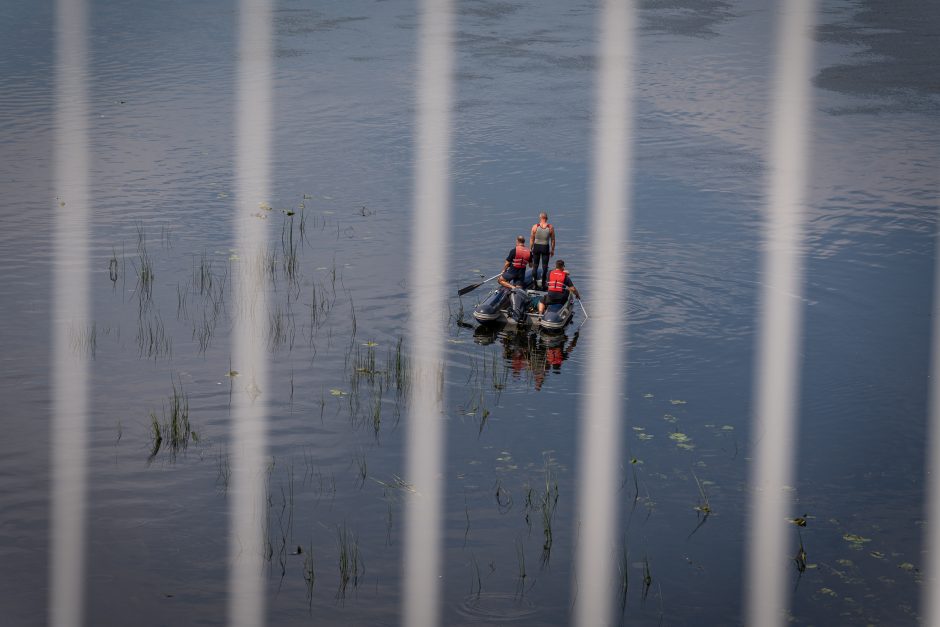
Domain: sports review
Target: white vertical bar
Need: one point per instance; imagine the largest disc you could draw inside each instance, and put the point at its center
(430, 222)
(70, 315)
(930, 591)
(249, 357)
(777, 384)
(601, 410)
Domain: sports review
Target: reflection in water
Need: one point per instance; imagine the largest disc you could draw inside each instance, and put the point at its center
(529, 351)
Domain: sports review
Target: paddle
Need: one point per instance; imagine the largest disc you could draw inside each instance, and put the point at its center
(474, 286)
(582, 309)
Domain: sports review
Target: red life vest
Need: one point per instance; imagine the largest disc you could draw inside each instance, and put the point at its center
(555, 356)
(521, 259)
(556, 280)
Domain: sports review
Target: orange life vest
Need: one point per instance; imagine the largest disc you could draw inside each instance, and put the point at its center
(556, 280)
(521, 260)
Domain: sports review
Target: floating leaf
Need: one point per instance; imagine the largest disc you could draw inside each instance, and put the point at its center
(855, 541)
(878, 555)
(907, 566)
(679, 437)
(337, 392)
(370, 344)
(647, 395)
(798, 521)
(644, 436)
(827, 591)
(232, 374)
(669, 418)
(727, 428)
(676, 401)
(688, 446)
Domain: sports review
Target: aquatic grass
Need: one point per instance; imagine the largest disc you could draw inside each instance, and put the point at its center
(174, 431)
(520, 567)
(703, 508)
(310, 576)
(166, 236)
(349, 560)
(302, 226)
(466, 532)
(224, 470)
(289, 249)
(647, 576)
(202, 275)
(623, 568)
(800, 558)
(181, 296)
(377, 410)
(153, 342)
(549, 501)
(145, 277)
(179, 430)
(281, 328)
(202, 333)
(476, 576)
(363, 468)
(156, 436)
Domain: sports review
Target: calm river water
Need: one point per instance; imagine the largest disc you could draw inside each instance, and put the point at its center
(162, 102)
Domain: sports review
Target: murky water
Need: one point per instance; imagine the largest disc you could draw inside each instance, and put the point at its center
(162, 100)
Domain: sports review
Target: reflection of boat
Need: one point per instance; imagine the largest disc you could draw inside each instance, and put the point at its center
(528, 349)
(519, 307)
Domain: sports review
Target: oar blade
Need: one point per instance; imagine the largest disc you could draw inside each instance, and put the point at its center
(468, 288)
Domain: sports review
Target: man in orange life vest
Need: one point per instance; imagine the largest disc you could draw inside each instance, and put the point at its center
(516, 262)
(559, 284)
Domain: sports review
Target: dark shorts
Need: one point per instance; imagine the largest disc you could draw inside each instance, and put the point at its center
(540, 249)
(514, 274)
(552, 298)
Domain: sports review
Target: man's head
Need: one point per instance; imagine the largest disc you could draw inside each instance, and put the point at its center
(559, 264)
(543, 216)
(520, 239)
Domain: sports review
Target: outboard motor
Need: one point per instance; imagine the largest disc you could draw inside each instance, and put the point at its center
(518, 305)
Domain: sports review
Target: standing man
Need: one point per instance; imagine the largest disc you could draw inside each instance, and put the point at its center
(559, 284)
(516, 262)
(542, 243)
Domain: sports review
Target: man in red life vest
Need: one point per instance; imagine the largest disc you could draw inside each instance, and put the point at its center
(517, 261)
(542, 244)
(559, 284)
